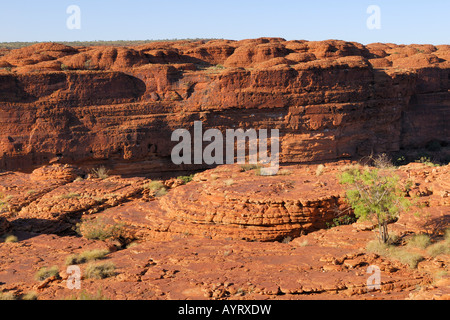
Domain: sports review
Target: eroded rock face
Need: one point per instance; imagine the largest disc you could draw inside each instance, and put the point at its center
(119, 106)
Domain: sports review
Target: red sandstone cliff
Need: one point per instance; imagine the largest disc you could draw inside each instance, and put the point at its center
(119, 106)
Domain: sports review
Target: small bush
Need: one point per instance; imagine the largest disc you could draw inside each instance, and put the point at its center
(439, 248)
(100, 271)
(101, 172)
(427, 161)
(45, 273)
(30, 296)
(410, 258)
(383, 161)
(420, 241)
(186, 179)
(373, 194)
(157, 187)
(11, 239)
(379, 248)
(98, 230)
(342, 221)
(389, 251)
(161, 193)
(287, 240)
(86, 256)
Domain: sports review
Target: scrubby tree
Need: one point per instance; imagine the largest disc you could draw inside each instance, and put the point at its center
(375, 194)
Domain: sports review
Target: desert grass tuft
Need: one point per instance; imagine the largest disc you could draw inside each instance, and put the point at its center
(30, 296)
(100, 270)
(320, 169)
(442, 247)
(389, 251)
(97, 229)
(11, 239)
(7, 296)
(45, 273)
(86, 256)
(84, 295)
(101, 172)
(157, 187)
(420, 241)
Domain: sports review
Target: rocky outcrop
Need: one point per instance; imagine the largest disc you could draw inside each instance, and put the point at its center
(118, 106)
(226, 203)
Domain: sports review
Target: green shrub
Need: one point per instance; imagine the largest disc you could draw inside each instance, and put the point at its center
(186, 179)
(374, 195)
(45, 273)
(341, 221)
(100, 270)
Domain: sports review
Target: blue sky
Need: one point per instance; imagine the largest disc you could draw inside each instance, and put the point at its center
(402, 21)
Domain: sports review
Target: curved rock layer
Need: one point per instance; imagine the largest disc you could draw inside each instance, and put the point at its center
(223, 203)
(118, 106)
(226, 203)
